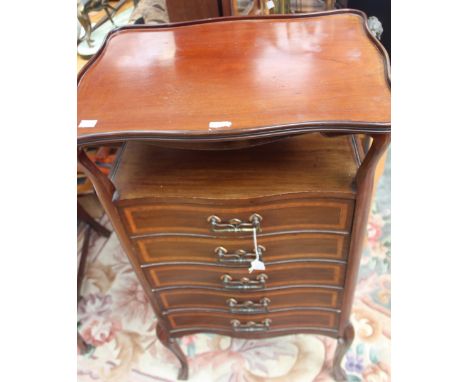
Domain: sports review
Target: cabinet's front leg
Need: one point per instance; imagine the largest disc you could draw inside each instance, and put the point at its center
(343, 346)
(174, 347)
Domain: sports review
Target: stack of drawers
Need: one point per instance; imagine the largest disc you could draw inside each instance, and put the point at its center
(232, 151)
(191, 217)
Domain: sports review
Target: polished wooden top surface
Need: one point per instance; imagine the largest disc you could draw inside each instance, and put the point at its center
(308, 163)
(263, 75)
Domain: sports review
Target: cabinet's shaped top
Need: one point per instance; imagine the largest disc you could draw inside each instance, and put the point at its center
(236, 78)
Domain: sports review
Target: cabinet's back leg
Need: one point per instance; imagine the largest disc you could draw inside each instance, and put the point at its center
(174, 347)
(343, 345)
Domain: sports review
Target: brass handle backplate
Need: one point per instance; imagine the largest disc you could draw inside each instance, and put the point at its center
(248, 306)
(239, 257)
(235, 225)
(251, 326)
(244, 283)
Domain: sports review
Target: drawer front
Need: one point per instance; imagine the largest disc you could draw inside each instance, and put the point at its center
(279, 320)
(276, 299)
(301, 273)
(170, 248)
(278, 216)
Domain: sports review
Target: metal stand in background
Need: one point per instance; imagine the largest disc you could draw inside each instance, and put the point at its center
(87, 6)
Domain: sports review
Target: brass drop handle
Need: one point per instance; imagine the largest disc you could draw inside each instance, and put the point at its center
(248, 306)
(251, 326)
(238, 257)
(244, 283)
(235, 225)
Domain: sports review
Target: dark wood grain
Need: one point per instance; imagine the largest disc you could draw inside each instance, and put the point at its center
(273, 78)
(281, 320)
(289, 213)
(171, 81)
(307, 163)
(104, 190)
(291, 298)
(273, 332)
(182, 10)
(303, 273)
(282, 247)
(365, 183)
(226, 6)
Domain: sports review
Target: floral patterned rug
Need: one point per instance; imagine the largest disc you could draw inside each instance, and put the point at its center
(115, 317)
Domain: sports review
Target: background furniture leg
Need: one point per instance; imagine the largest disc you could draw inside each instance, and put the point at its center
(343, 345)
(174, 347)
(82, 265)
(82, 345)
(84, 216)
(102, 231)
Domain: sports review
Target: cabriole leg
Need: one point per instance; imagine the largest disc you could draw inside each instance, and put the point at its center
(344, 344)
(174, 347)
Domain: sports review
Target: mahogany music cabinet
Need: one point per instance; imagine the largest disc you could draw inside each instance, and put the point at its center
(242, 188)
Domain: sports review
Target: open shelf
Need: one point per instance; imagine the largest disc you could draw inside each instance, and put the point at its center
(309, 163)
